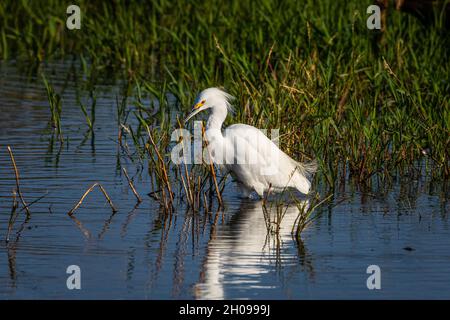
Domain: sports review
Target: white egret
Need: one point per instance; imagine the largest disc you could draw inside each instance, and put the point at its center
(247, 153)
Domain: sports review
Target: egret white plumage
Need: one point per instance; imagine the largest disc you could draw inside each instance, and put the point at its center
(246, 152)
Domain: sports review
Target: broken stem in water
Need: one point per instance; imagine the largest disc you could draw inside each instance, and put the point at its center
(16, 172)
(163, 166)
(130, 183)
(70, 213)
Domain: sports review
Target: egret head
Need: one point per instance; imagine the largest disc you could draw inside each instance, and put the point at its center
(211, 98)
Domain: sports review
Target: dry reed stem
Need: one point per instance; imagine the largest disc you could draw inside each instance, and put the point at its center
(113, 208)
(161, 160)
(198, 191)
(71, 212)
(16, 172)
(184, 186)
(130, 183)
(266, 196)
(213, 173)
(188, 180)
(34, 201)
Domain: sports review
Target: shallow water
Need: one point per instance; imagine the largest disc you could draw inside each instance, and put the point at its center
(133, 255)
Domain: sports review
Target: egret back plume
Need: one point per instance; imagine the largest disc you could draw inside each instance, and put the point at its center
(307, 168)
(229, 98)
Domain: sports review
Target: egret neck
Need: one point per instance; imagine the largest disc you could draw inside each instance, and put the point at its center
(218, 116)
(213, 133)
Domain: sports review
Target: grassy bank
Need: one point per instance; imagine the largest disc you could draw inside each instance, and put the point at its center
(311, 68)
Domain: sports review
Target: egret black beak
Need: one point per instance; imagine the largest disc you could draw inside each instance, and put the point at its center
(194, 111)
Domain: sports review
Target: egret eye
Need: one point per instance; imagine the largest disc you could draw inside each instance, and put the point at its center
(200, 104)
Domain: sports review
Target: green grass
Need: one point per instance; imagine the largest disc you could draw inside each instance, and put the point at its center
(55, 104)
(365, 110)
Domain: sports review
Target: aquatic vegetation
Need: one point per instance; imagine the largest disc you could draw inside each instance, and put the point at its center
(89, 190)
(90, 120)
(55, 104)
(130, 183)
(308, 211)
(309, 70)
(369, 111)
(14, 213)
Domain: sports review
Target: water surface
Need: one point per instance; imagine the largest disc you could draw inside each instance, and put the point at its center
(132, 254)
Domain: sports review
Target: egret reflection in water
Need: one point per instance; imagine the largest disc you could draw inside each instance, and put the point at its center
(241, 254)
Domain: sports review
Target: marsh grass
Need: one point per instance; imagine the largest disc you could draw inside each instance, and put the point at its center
(90, 119)
(89, 190)
(369, 111)
(55, 104)
(309, 70)
(131, 185)
(274, 214)
(308, 211)
(15, 204)
(160, 168)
